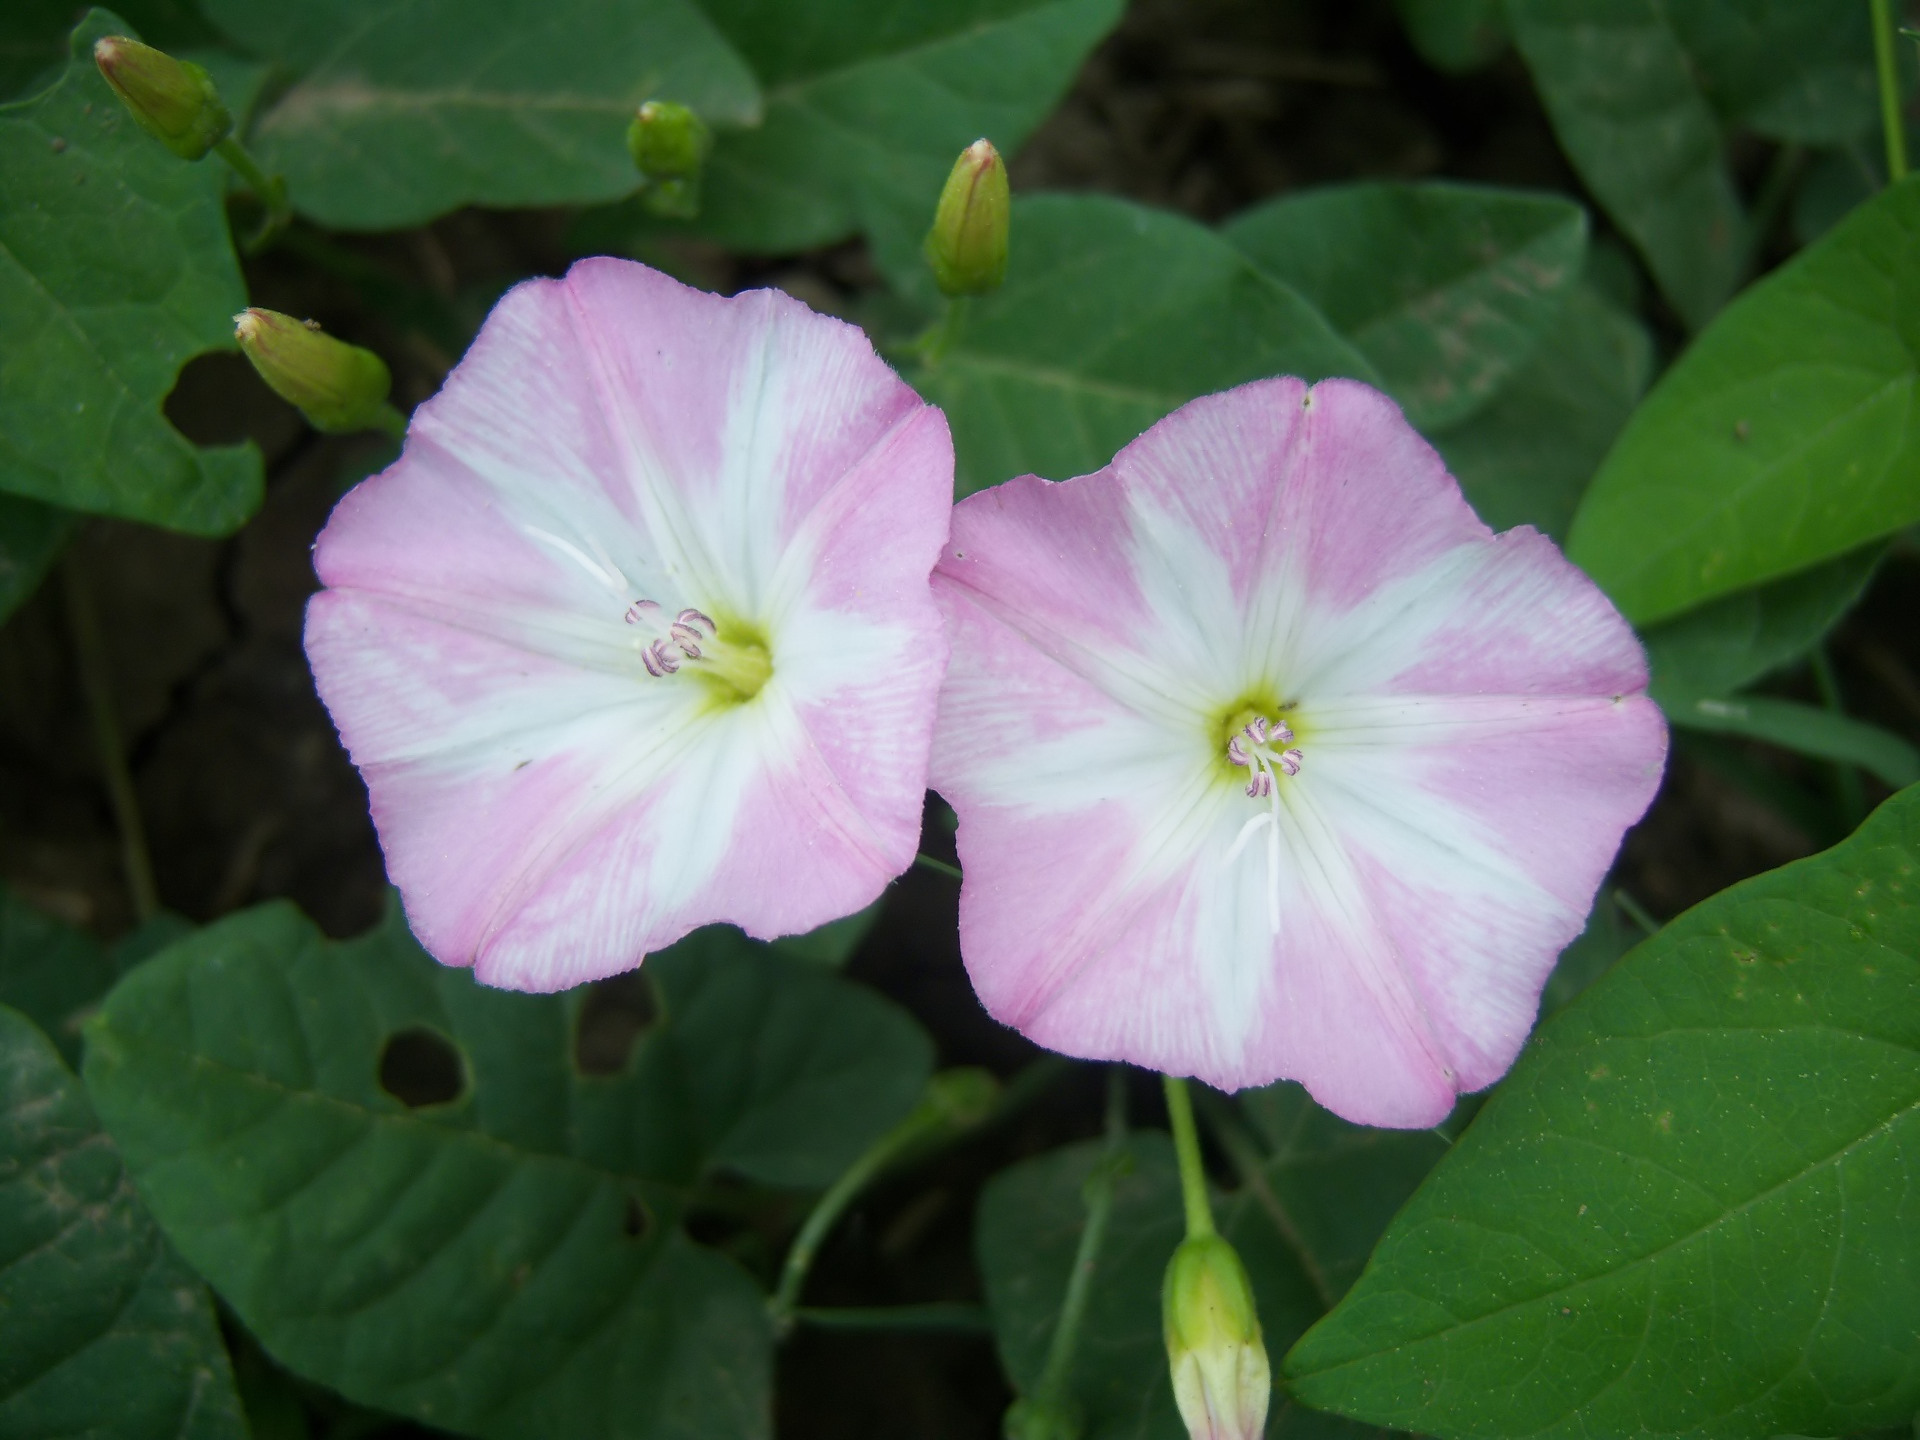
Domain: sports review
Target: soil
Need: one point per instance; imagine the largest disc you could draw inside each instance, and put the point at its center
(1201, 105)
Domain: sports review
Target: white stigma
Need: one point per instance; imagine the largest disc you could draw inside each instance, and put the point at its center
(1262, 747)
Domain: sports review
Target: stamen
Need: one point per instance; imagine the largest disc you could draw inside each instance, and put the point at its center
(739, 666)
(1253, 748)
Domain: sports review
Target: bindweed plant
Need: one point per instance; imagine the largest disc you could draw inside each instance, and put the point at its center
(1290, 614)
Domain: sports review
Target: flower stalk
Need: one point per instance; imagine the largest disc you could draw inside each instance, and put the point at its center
(1888, 73)
(1186, 1145)
(1221, 1376)
(177, 103)
(954, 1100)
(1048, 1413)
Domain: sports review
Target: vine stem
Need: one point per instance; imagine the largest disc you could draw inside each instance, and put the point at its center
(96, 683)
(270, 190)
(1186, 1144)
(1889, 74)
(1098, 1195)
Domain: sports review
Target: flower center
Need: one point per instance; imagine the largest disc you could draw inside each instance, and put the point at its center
(734, 665)
(1265, 750)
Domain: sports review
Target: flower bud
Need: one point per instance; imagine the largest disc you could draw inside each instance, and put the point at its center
(174, 100)
(669, 144)
(1221, 1378)
(967, 246)
(339, 387)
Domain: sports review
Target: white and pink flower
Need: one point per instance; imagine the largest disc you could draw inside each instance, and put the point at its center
(636, 635)
(1272, 761)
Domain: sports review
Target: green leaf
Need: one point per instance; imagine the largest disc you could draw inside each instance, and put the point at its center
(1786, 434)
(55, 973)
(1792, 71)
(1112, 315)
(33, 36)
(103, 1331)
(1619, 88)
(1690, 1207)
(1325, 1191)
(1609, 934)
(507, 1260)
(1445, 288)
(115, 270)
(832, 944)
(1807, 729)
(1457, 36)
(1527, 458)
(1732, 642)
(1320, 1194)
(407, 110)
(867, 107)
(1028, 1229)
(32, 536)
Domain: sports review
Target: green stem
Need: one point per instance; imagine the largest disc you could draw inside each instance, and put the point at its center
(1186, 1144)
(1250, 1163)
(1890, 121)
(1636, 912)
(270, 190)
(819, 1224)
(939, 867)
(938, 340)
(1098, 1194)
(96, 682)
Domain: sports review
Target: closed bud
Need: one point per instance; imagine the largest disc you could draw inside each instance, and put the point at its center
(669, 144)
(339, 387)
(174, 100)
(1221, 1379)
(967, 246)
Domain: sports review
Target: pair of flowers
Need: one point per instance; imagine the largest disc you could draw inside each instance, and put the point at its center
(1270, 760)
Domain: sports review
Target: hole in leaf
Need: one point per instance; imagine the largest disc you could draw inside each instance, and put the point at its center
(636, 1222)
(420, 1067)
(613, 1017)
(219, 399)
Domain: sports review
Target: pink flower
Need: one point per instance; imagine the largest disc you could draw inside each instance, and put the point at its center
(636, 635)
(1271, 761)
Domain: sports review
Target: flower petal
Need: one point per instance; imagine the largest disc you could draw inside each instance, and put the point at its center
(549, 811)
(1468, 707)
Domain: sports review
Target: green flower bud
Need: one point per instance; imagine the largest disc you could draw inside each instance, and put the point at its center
(669, 144)
(174, 100)
(1221, 1379)
(339, 387)
(967, 246)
